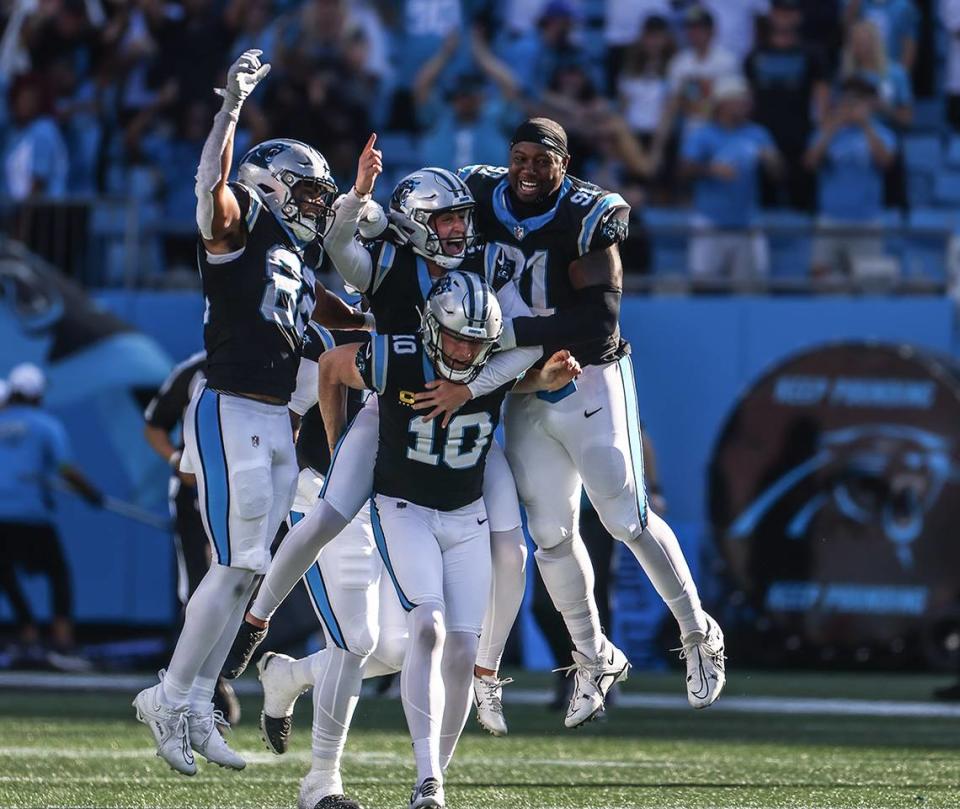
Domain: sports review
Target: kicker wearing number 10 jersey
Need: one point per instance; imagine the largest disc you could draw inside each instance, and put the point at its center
(556, 238)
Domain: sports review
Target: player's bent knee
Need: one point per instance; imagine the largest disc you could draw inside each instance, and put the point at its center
(427, 630)
(460, 652)
(550, 529)
(558, 550)
(363, 641)
(390, 649)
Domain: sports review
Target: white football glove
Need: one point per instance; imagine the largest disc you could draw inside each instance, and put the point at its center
(244, 74)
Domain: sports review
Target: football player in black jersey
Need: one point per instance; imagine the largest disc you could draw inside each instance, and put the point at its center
(361, 617)
(431, 232)
(428, 514)
(259, 247)
(555, 237)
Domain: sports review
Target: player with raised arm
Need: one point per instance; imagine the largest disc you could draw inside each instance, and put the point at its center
(431, 232)
(556, 238)
(260, 244)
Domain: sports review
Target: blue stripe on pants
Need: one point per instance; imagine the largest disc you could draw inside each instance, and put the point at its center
(317, 589)
(633, 431)
(381, 540)
(213, 460)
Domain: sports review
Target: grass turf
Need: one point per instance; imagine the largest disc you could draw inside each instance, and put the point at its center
(62, 750)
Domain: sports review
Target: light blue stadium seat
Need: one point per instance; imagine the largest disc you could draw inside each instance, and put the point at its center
(946, 188)
(928, 114)
(788, 236)
(400, 149)
(924, 246)
(953, 152)
(923, 153)
(668, 238)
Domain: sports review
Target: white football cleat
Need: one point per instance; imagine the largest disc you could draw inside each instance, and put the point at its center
(207, 741)
(488, 697)
(428, 794)
(169, 728)
(593, 679)
(706, 669)
(280, 694)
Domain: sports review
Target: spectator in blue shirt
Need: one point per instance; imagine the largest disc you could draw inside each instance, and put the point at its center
(34, 155)
(897, 22)
(851, 151)
(34, 450)
(723, 157)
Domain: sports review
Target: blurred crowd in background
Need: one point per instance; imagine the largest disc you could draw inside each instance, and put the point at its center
(722, 108)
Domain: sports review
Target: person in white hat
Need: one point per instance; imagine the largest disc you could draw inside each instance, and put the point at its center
(723, 158)
(34, 448)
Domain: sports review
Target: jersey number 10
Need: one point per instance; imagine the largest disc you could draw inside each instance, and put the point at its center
(423, 433)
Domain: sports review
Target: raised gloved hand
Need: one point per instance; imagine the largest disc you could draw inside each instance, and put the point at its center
(244, 75)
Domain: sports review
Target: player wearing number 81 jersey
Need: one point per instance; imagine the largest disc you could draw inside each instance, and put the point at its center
(260, 243)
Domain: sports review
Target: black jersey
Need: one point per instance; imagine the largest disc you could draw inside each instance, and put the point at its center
(537, 252)
(400, 284)
(313, 451)
(167, 407)
(419, 461)
(258, 301)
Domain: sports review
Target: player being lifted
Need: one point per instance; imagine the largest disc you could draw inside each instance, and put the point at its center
(556, 237)
(431, 215)
(428, 513)
(260, 244)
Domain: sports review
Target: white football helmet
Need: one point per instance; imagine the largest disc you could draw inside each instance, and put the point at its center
(419, 197)
(462, 305)
(295, 183)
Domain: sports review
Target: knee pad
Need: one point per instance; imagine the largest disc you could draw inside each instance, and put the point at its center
(251, 488)
(391, 647)
(605, 470)
(460, 650)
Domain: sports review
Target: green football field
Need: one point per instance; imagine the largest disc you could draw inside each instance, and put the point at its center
(85, 749)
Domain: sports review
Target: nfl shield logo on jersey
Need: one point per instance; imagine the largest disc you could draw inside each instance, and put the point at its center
(255, 440)
(519, 232)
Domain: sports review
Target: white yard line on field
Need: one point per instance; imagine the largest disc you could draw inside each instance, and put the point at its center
(131, 683)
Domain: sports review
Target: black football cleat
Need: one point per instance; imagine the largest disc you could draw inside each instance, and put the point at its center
(249, 637)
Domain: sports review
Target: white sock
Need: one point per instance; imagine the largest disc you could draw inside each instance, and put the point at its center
(509, 556)
(298, 550)
(568, 576)
(221, 592)
(459, 651)
(335, 694)
(421, 686)
(201, 695)
(658, 552)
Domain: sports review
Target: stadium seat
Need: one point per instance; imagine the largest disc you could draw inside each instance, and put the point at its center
(925, 244)
(668, 237)
(946, 188)
(953, 152)
(789, 239)
(928, 114)
(922, 153)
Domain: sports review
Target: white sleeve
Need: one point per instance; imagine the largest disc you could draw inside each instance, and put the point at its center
(503, 368)
(305, 395)
(352, 261)
(211, 163)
